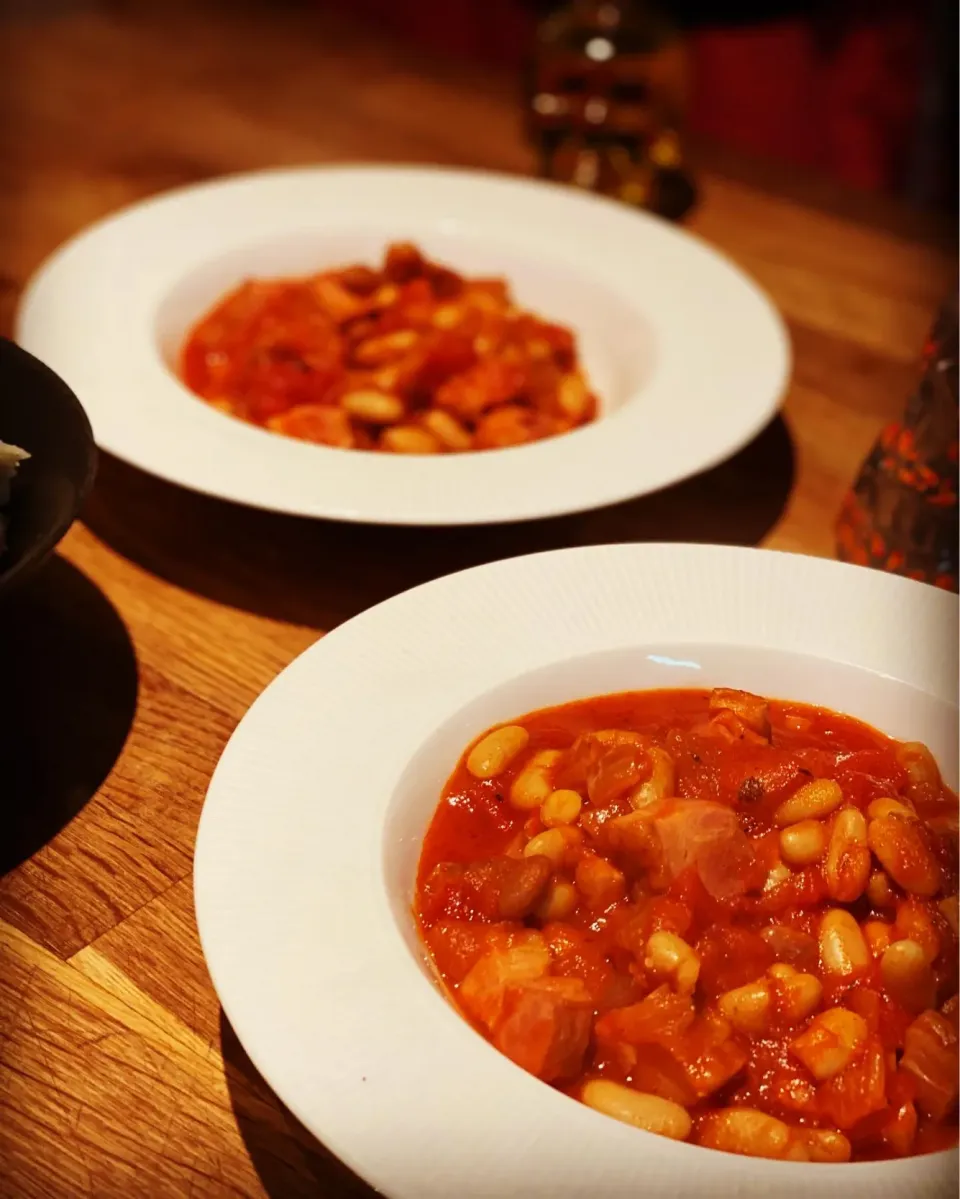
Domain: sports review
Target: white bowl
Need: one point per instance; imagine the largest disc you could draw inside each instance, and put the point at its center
(311, 831)
(689, 357)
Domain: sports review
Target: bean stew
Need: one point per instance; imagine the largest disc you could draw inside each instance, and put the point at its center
(724, 919)
(408, 357)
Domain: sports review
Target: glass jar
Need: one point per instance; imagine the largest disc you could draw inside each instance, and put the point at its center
(606, 98)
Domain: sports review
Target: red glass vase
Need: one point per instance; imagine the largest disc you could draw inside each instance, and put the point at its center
(901, 514)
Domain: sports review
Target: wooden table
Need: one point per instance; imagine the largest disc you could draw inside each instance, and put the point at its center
(135, 654)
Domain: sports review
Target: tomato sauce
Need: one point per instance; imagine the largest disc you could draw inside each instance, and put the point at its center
(407, 357)
(610, 903)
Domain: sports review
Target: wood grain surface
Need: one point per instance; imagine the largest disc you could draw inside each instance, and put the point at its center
(134, 654)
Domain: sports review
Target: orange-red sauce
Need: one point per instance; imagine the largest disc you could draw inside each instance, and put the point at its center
(407, 357)
(738, 907)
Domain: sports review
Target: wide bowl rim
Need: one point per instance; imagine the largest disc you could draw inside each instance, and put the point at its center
(256, 956)
(742, 369)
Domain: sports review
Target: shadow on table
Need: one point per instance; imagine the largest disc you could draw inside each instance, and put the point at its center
(290, 1161)
(320, 573)
(69, 677)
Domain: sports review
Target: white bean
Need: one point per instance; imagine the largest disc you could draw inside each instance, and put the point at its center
(494, 752)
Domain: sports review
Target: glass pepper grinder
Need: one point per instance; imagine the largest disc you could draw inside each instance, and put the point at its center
(901, 514)
(606, 97)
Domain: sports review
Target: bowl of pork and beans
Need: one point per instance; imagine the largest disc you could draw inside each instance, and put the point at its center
(725, 919)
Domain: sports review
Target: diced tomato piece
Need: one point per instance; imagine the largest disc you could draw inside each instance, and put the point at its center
(561, 343)
(661, 913)
(416, 304)
(613, 770)
(510, 425)
(731, 957)
(794, 1094)
(620, 989)
(656, 1069)
(867, 1003)
(900, 1130)
(794, 946)
(443, 893)
(885, 1018)
(562, 939)
(658, 1017)
(893, 1129)
(901, 1088)
(804, 889)
(586, 962)
(445, 282)
(688, 889)
(403, 262)
(443, 356)
(669, 1049)
(710, 1054)
(858, 1091)
(930, 1055)
(607, 763)
(457, 945)
(867, 774)
(629, 839)
(499, 888)
(493, 290)
(759, 777)
(309, 422)
(483, 386)
(291, 378)
(774, 1082)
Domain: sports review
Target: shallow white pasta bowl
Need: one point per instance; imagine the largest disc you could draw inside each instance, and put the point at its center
(688, 356)
(311, 831)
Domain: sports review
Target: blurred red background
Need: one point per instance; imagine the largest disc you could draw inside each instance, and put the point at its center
(845, 88)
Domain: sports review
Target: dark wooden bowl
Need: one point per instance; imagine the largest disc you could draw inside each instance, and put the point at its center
(42, 415)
